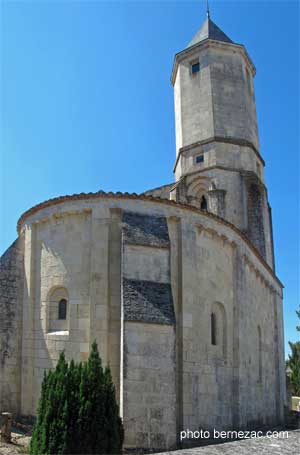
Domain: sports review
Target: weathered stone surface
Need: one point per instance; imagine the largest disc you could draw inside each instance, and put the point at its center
(149, 388)
(11, 291)
(148, 301)
(255, 231)
(161, 191)
(142, 229)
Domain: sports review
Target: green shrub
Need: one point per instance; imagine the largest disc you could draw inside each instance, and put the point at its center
(77, 411)
(293, 362)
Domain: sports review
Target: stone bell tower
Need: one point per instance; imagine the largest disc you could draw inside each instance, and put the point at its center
(218, 164)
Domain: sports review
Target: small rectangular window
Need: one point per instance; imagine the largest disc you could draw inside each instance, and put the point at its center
(195, 67)
(199, 159)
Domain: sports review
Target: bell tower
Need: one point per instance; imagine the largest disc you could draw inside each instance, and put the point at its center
(218, 164)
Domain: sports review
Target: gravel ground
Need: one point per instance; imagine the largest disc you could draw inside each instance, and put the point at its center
(259, 446)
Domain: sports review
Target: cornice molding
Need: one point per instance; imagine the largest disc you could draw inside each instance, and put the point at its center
(259, 275)
(226, 241)
(180, 56)
(225, 140)
(102, 195)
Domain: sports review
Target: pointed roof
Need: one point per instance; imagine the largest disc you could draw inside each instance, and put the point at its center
(209, 30)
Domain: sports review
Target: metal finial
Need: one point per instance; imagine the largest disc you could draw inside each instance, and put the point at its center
(207, 9)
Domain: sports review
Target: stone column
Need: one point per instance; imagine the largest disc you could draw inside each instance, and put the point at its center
(28, 321)
(238, 290)
(175, 234)
(99, 281)
(280, 377)
(216, 202)
(114, 296)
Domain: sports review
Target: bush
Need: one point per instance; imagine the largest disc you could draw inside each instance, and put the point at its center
(293, 362)
(77, 411)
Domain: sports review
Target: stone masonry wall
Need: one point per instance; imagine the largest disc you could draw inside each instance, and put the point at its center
(76, 256)
(173, 268)
(148, 347)
(207, 287)
(11, 288)
(149, 386)
(256, 230)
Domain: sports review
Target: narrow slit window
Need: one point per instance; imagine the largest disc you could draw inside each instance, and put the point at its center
(62, 309)
(259, 355)
(213, 329)
(195, 67)
(203, 204)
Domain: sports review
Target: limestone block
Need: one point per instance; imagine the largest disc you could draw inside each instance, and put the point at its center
(84, 347)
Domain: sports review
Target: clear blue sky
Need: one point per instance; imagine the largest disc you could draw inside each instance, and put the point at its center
(86, 103)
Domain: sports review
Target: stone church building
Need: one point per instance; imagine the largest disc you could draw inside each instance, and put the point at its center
(177, 285)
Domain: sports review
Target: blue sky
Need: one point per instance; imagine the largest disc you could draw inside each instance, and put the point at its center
(86, 104)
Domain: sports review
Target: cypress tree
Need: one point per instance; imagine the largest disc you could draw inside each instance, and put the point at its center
(38, 440)
(77, 411)
(49, 433)
(73, 435)
(91, 413)
(114, 429)
(294, 364)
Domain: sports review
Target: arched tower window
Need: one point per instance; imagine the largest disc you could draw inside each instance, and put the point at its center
(213, 328)
(203, 203)
(62, 309)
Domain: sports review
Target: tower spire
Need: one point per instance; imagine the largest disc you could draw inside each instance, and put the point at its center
(207, 9)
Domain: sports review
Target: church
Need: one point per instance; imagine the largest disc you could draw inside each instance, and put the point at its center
(177, 285)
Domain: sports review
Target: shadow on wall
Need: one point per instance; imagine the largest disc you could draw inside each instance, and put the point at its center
(11, 289)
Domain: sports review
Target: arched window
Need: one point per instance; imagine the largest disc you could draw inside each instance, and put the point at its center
(62, 309)
(213, 329)
(58, 312)
(203, 203)
(218, 331)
